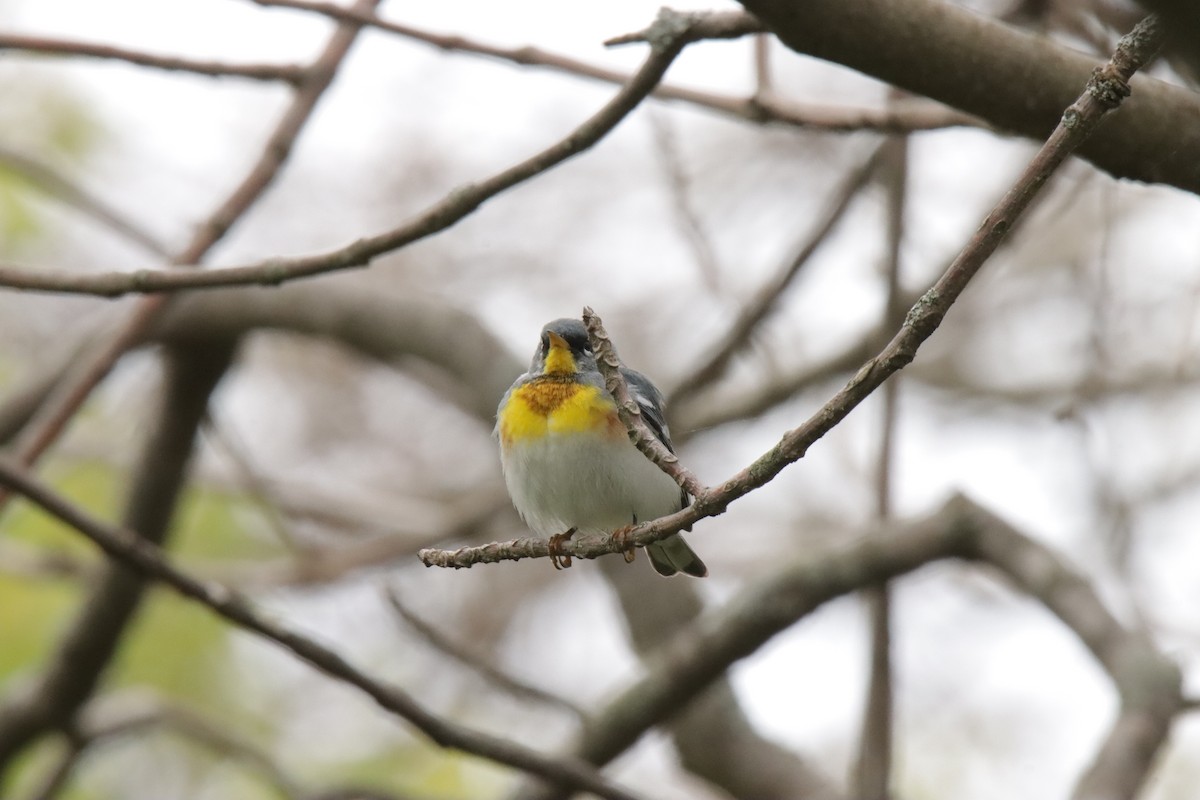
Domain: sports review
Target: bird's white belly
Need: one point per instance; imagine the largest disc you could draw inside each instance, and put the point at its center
(591, 482)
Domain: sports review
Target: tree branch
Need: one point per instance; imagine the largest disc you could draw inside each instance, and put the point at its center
(473, 366)
(712, 733)
(132, 712)
(136, 553)
(452, 208)
(763, 107)
(627, 408)
(49, 180)
(873, 769)
(1148, 682)
(86, 650)
(474, 661)
(287, 73)
(718, 357)
(1016, 81)
(69, 394)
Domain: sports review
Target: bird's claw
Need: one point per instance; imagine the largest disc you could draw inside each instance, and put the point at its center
(619, 536)
(558, 558)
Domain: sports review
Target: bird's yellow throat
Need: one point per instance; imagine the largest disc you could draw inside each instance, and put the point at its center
(548, 405)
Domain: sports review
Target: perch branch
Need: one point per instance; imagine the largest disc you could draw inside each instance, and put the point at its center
(1108, 86)
(627, 408)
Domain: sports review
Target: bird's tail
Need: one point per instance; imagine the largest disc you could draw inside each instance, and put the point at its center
(673, 555)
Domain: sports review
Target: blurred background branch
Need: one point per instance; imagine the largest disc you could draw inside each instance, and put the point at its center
(66, 398)
(73, 673)
(288, 73)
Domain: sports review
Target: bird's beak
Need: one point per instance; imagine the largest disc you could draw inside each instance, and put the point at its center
(558, 355)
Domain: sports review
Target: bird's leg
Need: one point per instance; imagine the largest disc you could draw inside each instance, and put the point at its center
(558, 558)
(619, 536)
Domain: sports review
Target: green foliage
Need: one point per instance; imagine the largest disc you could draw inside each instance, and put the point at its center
(68, 128)
(32, 615)
(18, 220)
(49, 124)
(420, 770)
(216, 524)
(90, 484)
(34, 611)
(235, 780)
(174, 645)
(179, 650)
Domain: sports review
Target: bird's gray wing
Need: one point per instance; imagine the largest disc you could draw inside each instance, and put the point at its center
(652, 404)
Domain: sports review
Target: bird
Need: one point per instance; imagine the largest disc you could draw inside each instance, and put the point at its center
(567, 459)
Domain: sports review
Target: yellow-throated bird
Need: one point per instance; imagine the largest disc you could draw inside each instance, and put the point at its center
(567, 458)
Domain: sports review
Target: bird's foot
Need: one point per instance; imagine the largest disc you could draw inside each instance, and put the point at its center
(558, 558)
(619, 536)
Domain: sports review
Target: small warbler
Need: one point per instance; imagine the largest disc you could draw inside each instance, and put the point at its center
(567, 458)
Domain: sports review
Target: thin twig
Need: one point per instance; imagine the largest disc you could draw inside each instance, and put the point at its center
(631, 415)
(68, 397)
(134, 712)
(763, 82)
(288, 73)
(756, 398)
(148, 560)
(453, 207)
(872, 777)
(718, 358)
(255, 485)
(51, 181)
(705, 25)
(690, 224)
(1146, 680)
(763, 107)
(475, 662)
(72, 671)
(1105, 91)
